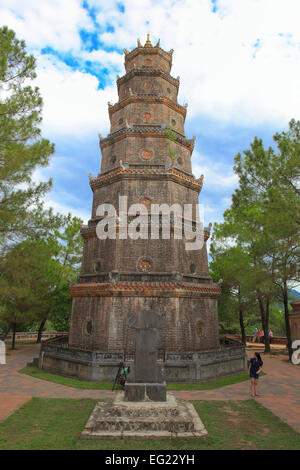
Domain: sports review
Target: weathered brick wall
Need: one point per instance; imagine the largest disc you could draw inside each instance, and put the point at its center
(145, 83)
(136, 189)
(148, 60)
(125, 256)
(130, 149)
(147, 113)
(190, 324)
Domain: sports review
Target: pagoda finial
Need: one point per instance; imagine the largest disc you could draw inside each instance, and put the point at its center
(148, 42)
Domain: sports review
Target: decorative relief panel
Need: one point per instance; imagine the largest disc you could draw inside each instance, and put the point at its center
(146, 154)
(145, 265)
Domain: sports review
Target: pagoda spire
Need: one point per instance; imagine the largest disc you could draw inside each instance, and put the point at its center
(148, 43)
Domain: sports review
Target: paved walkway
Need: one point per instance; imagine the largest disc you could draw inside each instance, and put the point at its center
(16, 389)
(279, 389)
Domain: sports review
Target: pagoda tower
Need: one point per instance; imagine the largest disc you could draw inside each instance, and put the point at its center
(147, 158)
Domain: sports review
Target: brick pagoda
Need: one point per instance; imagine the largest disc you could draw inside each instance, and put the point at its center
(123, 276)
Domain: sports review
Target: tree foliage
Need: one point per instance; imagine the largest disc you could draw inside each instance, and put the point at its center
(27, 282)
(22, 149)
(35, 276)
(39, 250)
(69, 242)
(264, 222)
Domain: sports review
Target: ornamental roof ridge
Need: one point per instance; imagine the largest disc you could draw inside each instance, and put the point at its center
(149, 288)
(156, 171)
(158, 128)
(134, 97)
(148, 48)
(121, 134)
(144, 71)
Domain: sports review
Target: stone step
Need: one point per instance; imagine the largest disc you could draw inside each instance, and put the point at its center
(119, 419)
(142, 424)
(156, 413)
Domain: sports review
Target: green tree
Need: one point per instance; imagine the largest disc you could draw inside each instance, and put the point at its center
(264, 220)
(68, 256)
(28, 275)
(22, 149)
(232, 265)
(270, 181)
(239, 241)
(35, 276)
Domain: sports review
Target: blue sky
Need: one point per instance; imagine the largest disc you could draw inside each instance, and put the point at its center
(239, 67)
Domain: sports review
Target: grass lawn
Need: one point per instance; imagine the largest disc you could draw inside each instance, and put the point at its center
(56, 423)
(75, 383)
(60, 379)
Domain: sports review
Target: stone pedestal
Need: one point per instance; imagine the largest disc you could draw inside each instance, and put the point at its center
(145, 392)
(121, 419)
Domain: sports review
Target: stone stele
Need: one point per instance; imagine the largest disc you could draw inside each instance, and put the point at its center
(145, 380)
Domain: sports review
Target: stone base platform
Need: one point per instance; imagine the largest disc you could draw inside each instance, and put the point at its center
(120, 419)
(185, 367)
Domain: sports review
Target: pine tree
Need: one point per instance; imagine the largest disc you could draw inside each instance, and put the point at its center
(264, 219)
(22, 149)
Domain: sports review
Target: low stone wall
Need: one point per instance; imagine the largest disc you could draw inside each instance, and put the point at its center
(275, 339)
(57, 357)
(205, 365)
(29, 335)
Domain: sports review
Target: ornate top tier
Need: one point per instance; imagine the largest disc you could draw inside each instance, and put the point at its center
(148, 56)
(147, 114)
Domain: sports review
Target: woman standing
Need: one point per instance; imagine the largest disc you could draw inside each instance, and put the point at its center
(255, 368)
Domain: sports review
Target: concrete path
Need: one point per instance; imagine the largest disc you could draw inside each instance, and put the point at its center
(279, 389)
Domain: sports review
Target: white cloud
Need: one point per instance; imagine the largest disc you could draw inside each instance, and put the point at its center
(62, 201)
(240, 65)
(52, 23)
(219, 182)
(108, 59)
(66, 209)
(223, 74)
(217, 175)
(73, 104)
